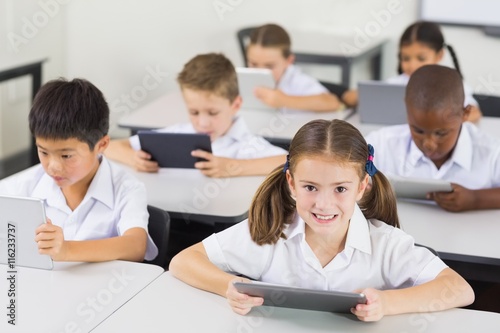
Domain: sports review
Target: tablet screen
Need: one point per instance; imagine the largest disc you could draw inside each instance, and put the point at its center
(300, 298)
(173, 150)
(417, 188)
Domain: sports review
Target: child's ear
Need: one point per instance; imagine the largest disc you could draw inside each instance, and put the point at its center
(291, 59)
(362, 187)
(102, 144)
(466, 113)
(440, 55)
(236, 105)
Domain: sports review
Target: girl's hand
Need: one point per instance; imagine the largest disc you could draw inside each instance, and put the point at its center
(241, 303)
(374, 309)
(272, 97)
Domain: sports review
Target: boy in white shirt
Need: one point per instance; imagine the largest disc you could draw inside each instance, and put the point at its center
(439, 143)
(95, 210)
(210, 90)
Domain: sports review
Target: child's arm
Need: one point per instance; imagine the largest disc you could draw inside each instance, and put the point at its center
(448, 290)
(229, 167)
(130, 246)
(462, 199)
(122, 151)
(193, 267)
(276, 98)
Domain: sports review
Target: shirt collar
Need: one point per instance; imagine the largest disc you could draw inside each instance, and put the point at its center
(238, 130)
(101, 188)
(462, 153)
(358, 234)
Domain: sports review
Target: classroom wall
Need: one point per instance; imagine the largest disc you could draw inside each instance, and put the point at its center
(132, 50)
(29, 31)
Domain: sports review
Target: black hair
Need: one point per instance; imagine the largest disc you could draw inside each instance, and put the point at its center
(69, 109)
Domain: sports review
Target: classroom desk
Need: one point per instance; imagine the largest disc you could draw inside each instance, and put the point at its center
(319, 47)
(168, 304)
(466, 236)
(34, 69)
(188, 194)
(73, 297)
(278, 127)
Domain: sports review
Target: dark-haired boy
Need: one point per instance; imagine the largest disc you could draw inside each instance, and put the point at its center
(95, 210)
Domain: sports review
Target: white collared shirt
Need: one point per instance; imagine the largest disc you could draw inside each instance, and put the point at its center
(294, 82)
(237, 143)
(115, 202)
(474, 163)
(375, 255)
(468, 98)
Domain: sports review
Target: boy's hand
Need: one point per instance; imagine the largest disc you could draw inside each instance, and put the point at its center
(214, 166)
(241, 303)
(272, 97)
(374, 308)
(142, 162)
(50, 240)
(461, 199)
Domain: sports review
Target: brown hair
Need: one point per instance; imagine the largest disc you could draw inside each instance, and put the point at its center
(273, 208)
(211, 72)
(427, 33)
(272, 35)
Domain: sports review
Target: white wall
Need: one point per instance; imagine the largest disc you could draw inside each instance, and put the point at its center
(118, 43)
(29, 31)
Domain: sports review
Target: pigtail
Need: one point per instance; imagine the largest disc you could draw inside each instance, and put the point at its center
(272, 208)
(455, 59)
(380, 201)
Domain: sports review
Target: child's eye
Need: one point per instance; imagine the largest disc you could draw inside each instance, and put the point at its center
(42, 152)
(213, 113)
(66, 156)
(193, 112)
(441, 133)
(422, 59)
(340, 189)
(310, 188)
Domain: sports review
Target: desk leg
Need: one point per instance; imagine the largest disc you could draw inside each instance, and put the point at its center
(376, 64)
(36, 84)
(346, 74)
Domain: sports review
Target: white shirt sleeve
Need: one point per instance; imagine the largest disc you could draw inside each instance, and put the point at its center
(233, 251)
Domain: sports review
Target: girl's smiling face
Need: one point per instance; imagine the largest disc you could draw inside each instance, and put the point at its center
(326, 193)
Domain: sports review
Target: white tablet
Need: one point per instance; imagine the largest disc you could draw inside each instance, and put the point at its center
(300, 298)
(248, 80)
(417, 188)
(19, 218)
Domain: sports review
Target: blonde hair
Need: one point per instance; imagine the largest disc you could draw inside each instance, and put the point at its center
(272, 207)
(211, 72)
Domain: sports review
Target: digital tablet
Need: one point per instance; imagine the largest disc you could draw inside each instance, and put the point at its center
(417, 188)
(299, 298)
(248, 80)
(19, 218)
(173, 150)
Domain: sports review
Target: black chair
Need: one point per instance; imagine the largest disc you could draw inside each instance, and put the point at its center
(489, 105)
(243, 41)
(159, 230)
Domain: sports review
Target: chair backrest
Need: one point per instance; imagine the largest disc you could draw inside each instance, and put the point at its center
(159, 230)
(489, 105)
(429, 248)
(243, 40)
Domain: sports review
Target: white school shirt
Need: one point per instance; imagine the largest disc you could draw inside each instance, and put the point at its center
(237, 143)
(468, 98)
(375, 255)
(115, 202)
(474, 163)
(294, 82)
